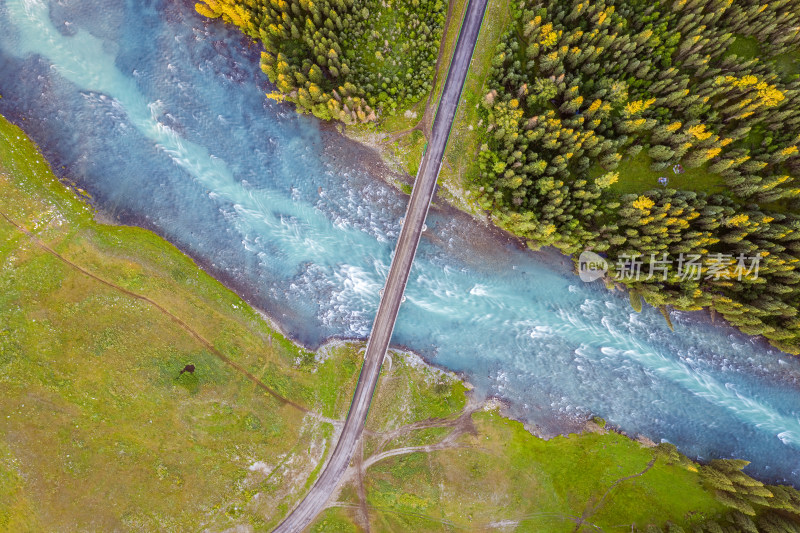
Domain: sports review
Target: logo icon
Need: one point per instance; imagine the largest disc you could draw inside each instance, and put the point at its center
(591, 266)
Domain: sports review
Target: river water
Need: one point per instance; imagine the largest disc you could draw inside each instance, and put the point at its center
(162, 117)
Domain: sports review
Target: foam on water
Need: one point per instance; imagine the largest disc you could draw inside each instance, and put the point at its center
(161, 115)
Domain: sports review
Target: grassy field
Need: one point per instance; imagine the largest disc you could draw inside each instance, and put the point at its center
(788, 65)
(435, 462)
(636, 176)
(99, 429)
(744, 47)
(413, 148)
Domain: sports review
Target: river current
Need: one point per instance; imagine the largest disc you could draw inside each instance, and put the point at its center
(162, 117)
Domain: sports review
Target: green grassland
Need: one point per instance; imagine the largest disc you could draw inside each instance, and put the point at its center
(437, 462)
(411, 147)
(745, 47)
(788, 65)
(99, 430)
(434, 459)
(636, 176)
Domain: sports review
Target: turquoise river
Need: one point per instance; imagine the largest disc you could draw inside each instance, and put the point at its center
(162, 117)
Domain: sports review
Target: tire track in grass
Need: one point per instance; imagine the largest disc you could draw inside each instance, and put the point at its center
(186, 327)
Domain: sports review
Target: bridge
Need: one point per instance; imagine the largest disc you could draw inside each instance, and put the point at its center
(416, 212)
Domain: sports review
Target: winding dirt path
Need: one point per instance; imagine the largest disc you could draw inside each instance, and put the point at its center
(186, 327)
(592, 509)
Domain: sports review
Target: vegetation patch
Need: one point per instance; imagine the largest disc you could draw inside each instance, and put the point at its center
(495, 472)
(411, 148)
(636, 176)
(744, 47)
(334, 520)
(349, 60)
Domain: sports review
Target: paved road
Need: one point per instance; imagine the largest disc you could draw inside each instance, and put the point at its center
(378, 343)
